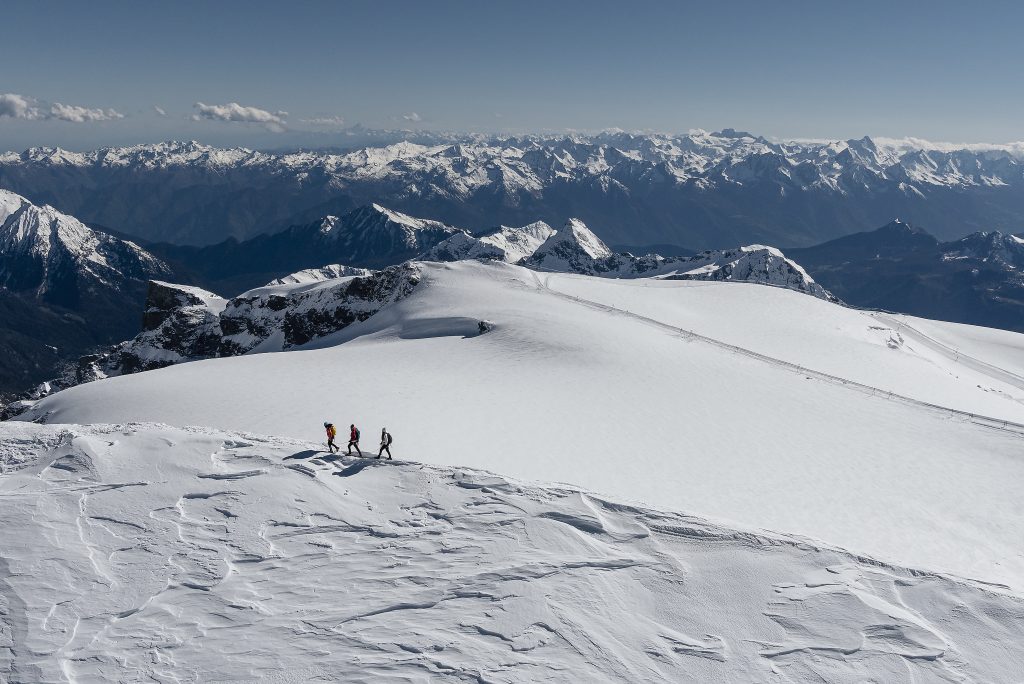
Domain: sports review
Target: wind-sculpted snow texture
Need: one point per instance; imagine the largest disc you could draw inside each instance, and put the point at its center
(142, 552)
(700, 190)
(740, 402)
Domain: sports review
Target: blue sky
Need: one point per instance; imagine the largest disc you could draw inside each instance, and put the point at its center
(92, 73)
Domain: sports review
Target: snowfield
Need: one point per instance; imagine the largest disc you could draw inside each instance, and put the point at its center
(742, 403)
(141, 552)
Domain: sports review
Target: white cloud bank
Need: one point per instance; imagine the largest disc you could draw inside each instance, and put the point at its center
(16, 106)
(413, 117)
(232, 111)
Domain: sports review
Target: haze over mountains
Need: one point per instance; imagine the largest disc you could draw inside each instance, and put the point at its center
(701, 190)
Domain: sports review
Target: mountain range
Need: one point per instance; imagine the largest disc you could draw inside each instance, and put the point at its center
(701, 190)
(978, 279)
(71, 292)
(184, 323)
(64, 289)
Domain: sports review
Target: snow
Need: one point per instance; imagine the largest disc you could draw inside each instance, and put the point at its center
(462, 166)
(145, 552)
(779, 411)
(48, 237)
(505, 244)
(207, 299)
(317, 275)
(869, 348)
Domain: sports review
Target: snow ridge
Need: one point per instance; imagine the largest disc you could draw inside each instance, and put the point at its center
(498, 579)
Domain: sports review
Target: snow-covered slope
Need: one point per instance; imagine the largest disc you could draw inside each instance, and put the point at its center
(576, 249)
(701, 190)
(316, 275)
(504, 244)
(374, 231)
(740, 402)
(55, 257)
(573, 249)
(142, 552)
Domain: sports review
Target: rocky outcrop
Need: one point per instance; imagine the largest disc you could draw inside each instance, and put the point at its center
(183, 323)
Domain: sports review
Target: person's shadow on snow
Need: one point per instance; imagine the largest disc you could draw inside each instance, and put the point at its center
(353, 469)
(309, 453)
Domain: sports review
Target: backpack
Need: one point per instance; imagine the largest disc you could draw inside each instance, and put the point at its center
(357, 434)
(390, 439)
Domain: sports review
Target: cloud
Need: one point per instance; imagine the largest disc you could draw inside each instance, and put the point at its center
(413, 117)
(901, 145)
(325, 121)
(159, 110)
(18, 107)
(28, 108)
(77, 114)
(232, 111)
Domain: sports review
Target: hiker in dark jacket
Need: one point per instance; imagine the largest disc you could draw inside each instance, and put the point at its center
(385, 443)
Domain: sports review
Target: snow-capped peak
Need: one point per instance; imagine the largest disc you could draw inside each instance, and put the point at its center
(40, 246)
(503, 244)
(316, 275)
(572, 248)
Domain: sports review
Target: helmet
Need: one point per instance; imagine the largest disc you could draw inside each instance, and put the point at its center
(327, 425)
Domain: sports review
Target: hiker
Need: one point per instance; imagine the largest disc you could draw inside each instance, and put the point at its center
(353, 440)
(331, 434)
(385, 443)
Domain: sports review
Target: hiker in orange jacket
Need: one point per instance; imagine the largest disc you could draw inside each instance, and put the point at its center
(331, 434)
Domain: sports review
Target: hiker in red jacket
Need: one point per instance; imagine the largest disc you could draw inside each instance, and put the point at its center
(353, 440)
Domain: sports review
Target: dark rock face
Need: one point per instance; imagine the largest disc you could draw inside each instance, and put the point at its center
(371, 236)
(184, 323)
(64, 289)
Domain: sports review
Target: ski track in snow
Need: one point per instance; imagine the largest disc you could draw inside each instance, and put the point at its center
(952, 354)
(194, 555)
